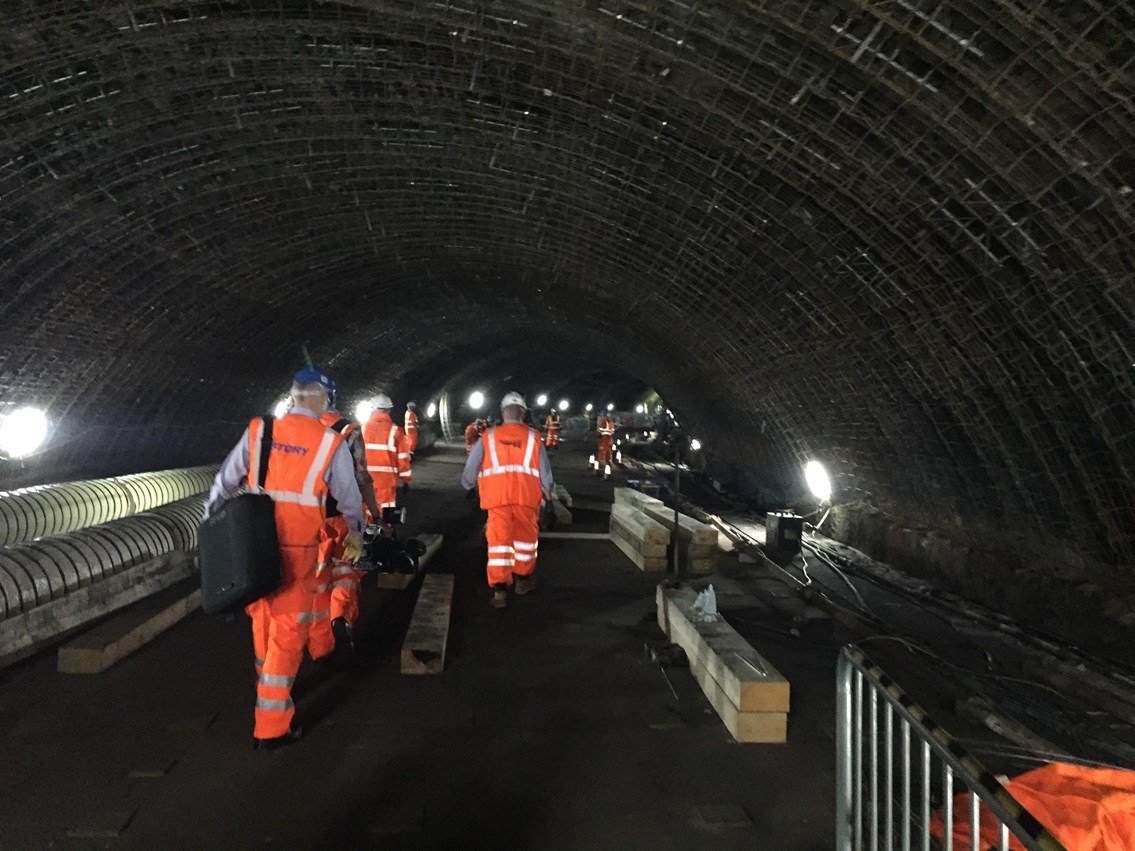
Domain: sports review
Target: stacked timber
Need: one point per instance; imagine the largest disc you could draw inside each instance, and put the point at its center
(697, 541)
(749, 695)
(643, 540)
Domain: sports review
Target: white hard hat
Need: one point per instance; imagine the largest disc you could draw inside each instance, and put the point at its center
(513, 398)
(382, 402)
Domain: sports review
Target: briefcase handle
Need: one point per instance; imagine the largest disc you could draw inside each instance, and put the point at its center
(265, 451)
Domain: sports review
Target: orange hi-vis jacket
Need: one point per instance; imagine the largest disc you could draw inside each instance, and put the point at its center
(552, 422)
(302, 449)
(510, 471)
(388, 452)
(606, 425)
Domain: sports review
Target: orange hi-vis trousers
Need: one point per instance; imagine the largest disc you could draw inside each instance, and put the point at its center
(337, 595)
(386, 490)
(280, 624)
(512, 535)
(553, 438)
(603, 456)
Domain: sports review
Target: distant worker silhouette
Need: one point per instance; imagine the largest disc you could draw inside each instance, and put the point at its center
(388, 453)
(512, 471)
(410, 425)
(552, 426)
(601, 460)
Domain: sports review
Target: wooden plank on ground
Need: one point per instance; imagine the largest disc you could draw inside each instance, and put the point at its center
(618, 533)
(401, 581)
(744, 688)
(690, 531)
(636, 499)
(116, 638)
(639, 525)
(647, 564)
(423, 650)
(746, 677)
(24, 634)
(770, 728)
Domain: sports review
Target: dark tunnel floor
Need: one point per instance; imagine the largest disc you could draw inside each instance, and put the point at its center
(549, 728)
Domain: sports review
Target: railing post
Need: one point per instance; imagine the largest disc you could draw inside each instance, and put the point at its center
(844, 803)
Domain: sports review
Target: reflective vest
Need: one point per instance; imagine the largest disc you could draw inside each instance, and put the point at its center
(606, 425)
(302, 449)
(388, 452)
(348, 429)
(552, 423)
(411, 422)
(510, 470)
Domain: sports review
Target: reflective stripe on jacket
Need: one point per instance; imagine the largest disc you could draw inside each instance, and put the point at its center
(302, 448)
(510, 470)
(388, 450)
(606, 425)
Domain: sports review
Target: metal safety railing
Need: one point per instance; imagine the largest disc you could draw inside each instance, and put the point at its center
(889, 776)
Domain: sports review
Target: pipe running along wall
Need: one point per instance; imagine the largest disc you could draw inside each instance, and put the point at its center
(108, 525)
(35, 512)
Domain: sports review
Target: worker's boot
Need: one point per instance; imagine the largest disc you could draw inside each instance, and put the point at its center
(344, 640)
(524, 584)
(500, 596)
(293, 735)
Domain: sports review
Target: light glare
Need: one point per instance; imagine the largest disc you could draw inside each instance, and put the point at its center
(695, 444)
(564, 404)
(281, 408)
(818, 481)
(589, 407)
(476, 400)
(23, 432)
(610, 406)
(639, 408)
(542, 399)
(431, 410)
(363, 410)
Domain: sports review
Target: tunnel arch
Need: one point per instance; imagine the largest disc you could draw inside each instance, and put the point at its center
(899, 237)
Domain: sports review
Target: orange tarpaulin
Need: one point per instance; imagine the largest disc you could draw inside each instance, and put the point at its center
(1087, 809)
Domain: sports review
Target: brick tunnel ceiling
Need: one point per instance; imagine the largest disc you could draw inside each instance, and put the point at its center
(896, 236)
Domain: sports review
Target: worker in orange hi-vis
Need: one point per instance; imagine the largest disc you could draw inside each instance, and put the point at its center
(410, 425)
(307, 464)
(336, 606)
(511, 469)
(602, 458)
(473, 433)
(388, 453)
(552, 425)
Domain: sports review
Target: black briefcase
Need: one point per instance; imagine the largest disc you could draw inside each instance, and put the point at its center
(240, 554)
(238, 548)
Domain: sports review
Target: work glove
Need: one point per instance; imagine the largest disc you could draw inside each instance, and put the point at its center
(352, 549)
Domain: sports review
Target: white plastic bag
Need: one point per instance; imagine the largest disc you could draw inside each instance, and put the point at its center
(705, 606)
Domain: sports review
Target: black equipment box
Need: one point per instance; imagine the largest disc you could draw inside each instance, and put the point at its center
(239, 553)
(783, 533)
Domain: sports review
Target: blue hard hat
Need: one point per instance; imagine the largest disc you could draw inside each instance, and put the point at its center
(312, 375)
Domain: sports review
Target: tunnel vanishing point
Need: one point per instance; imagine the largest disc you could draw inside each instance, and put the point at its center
(897, 238)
